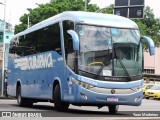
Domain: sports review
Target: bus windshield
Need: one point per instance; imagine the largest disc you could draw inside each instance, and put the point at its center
(106, 51)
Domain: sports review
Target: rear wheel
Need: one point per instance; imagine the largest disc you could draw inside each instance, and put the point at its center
(113, 109)
(58, 103)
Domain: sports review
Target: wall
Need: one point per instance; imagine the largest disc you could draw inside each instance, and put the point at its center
(152, 62)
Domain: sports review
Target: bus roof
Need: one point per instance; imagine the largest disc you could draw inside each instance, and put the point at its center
(81, 17)
(101, 19)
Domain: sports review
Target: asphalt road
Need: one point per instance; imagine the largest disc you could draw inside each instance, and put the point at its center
(148, 110)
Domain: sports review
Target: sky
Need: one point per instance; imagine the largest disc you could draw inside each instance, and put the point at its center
(16, 8)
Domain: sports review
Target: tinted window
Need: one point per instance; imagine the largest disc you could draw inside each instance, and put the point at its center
(48, 39)
(68, 44)
(42, 40)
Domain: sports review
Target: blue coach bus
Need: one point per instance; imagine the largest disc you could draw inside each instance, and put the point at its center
(78, 58)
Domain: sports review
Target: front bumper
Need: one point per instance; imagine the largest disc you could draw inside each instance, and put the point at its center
(86, 96)
(157, 96)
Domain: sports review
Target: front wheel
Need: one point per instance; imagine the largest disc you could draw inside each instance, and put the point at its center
(58, 103)
(21, 101)
(113, 109)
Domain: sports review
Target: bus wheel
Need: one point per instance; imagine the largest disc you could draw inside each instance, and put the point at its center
(113, 109)
(29, 103)
(21, 101)
(58, 103)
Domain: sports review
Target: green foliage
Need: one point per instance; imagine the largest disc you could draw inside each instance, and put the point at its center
(149, 26)
(108, 10)
(20, 27)
(44, 11)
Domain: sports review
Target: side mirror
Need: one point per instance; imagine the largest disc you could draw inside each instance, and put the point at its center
(150, 44)
(75, 39)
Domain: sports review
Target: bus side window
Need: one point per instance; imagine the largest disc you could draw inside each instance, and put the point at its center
(49, 39)
(15, 51)
(69, 52)
(69, 47)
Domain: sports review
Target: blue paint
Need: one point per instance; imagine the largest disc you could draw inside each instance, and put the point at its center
(151, 45)
(75, 39)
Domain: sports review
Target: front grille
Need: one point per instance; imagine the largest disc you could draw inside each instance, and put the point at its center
(108, 91)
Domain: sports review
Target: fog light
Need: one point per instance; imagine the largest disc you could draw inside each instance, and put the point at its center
(83, 96)
(82, 84)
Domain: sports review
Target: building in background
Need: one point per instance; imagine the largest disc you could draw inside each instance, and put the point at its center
(8, 34)
(152, 63)
(9, 31)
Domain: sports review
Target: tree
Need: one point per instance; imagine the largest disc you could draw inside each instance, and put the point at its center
(44, 11)
(149, 26)
(108, 9)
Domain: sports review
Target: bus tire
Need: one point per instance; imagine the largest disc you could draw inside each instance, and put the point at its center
(20, 100)
(113, 109)
(29, 103)
(58, 103)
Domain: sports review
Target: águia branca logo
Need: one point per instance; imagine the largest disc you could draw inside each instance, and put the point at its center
(35, 62)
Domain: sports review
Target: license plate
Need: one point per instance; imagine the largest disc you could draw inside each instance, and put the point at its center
(112, 99)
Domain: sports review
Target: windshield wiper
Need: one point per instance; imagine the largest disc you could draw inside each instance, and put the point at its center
(121, 63)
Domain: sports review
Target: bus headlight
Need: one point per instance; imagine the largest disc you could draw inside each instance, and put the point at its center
(82, 84)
